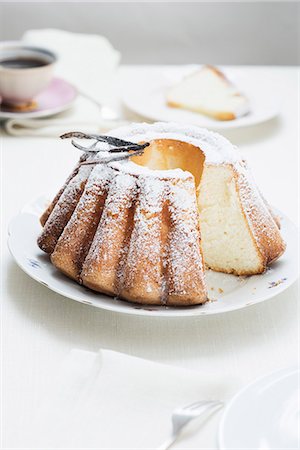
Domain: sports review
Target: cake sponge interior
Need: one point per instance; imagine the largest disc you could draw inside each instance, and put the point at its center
(226, 239)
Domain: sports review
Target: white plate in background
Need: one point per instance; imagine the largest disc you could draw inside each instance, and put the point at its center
(264, 415)
(227, 292)
(144, 92)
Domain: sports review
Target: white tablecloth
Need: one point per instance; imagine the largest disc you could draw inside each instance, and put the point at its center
(39, 327)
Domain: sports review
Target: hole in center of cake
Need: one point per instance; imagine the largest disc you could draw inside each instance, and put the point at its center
(167, 154)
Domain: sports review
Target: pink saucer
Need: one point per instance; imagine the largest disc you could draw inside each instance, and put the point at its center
(57, 97)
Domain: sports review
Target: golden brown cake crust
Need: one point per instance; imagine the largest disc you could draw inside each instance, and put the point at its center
(118, 249)
(215, 115)
(62, 209)
(135, 233)
(263, 227)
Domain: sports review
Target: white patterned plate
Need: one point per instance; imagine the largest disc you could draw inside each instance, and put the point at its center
(227, 292)
(264, 415)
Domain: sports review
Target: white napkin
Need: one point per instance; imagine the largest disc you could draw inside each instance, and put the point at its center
(87, 61)
(112, 400)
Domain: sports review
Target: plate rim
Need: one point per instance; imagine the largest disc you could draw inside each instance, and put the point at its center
(279, 374)
(6, 115)
(140, 309)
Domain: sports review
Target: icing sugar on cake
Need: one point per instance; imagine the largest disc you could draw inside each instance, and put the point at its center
(217, 149)
(144, 229)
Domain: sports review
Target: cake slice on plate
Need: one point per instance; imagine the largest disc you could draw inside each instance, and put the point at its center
(144, 229)
(208, 91)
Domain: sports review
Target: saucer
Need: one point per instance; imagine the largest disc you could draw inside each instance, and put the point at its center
(263, 415)
(57, 97)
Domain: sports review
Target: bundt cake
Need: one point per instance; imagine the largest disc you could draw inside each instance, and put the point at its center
(132, 228)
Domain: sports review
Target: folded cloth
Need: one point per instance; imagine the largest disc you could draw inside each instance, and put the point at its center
(112, 400)
(87, 61)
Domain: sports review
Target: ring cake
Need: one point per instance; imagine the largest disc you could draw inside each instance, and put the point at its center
(144, 229)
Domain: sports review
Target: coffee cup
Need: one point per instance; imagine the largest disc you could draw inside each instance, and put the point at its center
(25, 71)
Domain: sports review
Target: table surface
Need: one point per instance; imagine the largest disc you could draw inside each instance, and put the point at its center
(39, 327)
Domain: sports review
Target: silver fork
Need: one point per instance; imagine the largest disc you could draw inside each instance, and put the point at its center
(182, 416)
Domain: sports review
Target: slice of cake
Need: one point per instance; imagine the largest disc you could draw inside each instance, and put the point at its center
(208, 91)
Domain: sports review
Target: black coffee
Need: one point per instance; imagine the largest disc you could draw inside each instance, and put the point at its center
(22, 63)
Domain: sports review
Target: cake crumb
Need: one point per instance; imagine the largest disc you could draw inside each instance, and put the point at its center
(276, 283)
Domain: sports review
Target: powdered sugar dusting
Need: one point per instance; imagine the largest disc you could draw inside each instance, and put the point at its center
(143, 238)
(216, 148)
(74, 243)
(63, 209)
(185, 267)
(260, 220)
(142, 269)
(107, 247)
(95, 188)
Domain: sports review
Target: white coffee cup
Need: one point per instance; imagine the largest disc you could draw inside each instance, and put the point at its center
(24, 71)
